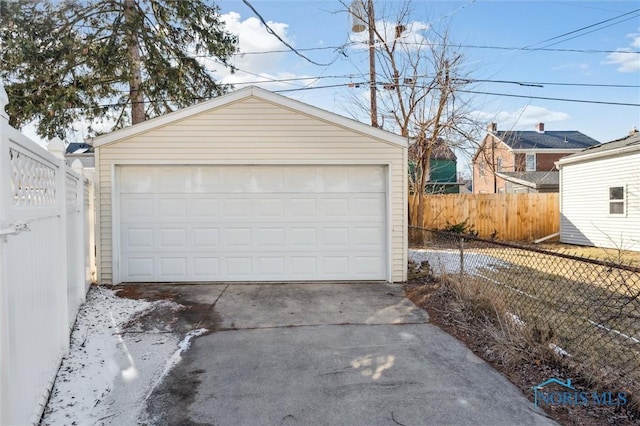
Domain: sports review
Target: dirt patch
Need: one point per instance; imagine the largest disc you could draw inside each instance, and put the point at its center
(525, 365)
(178, 314)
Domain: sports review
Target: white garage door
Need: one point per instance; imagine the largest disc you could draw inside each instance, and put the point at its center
(252, 223)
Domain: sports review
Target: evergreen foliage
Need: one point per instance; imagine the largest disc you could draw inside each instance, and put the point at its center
(68, 60)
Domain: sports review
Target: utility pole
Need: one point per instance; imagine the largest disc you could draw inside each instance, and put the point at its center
(357, 11)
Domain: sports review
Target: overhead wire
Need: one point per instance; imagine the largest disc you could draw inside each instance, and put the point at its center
(487, 93)
(273, 33)
(594, 30)
(583, 28)
(467, 46)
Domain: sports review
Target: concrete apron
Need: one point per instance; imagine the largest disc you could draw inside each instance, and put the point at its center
(328, 354)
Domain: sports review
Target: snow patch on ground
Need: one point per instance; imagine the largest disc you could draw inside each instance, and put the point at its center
(176, 357)
(448, 261)
(107, 373)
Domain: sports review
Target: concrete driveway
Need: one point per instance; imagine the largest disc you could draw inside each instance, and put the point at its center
(327, 354)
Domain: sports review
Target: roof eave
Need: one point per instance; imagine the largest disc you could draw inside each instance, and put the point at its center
(546, 150)
(595, 155)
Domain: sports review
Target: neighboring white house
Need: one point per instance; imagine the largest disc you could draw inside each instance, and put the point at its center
(251, 186)
(600, 195)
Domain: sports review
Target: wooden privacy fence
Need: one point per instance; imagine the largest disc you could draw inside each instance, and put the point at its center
(509, 217)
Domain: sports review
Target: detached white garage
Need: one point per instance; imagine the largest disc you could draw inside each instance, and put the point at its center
(251, 186)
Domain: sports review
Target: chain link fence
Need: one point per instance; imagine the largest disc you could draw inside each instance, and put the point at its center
(587, 309)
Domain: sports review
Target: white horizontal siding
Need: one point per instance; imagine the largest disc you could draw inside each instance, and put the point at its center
(252, 131)
(585, 217)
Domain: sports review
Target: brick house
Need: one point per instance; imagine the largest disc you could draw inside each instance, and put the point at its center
(519, 161)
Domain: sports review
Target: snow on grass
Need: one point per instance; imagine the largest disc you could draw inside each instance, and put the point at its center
(448, 261)
(106, 374)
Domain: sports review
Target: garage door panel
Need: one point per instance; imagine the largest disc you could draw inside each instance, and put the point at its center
(204, 208)
(274, 238)
(139, 238)
(207, 268)
(171, 207)
(303, 267)
(302, 208)
(269, 207)
(237, 207)
(140, 268)
(334, 238)
(173, 267)
(368, 237)
(136, 180)
(303, 237)
(217, 230)
(172, 238)
(239, 266)
(367, 179)
(206, 237)
(174, 180)
(238, 180)
(335, 179)
(268, 180)
(137, 209)
(368, 266)
(367, 207)
(238, 237)
(335, 207)
(205, 180)
(335, 266)
(271, 266)
(301, 179)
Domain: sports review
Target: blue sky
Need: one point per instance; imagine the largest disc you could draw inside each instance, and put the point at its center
(486, 24)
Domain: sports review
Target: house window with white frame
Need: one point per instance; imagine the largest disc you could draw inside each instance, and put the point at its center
(499, 164)
(530, 162)
(617, 200)
(481, 169)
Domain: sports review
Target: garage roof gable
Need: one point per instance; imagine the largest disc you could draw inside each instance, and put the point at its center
(251, 92)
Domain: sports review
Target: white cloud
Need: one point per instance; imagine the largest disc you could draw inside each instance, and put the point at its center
(626, 61)
(580, 66)
(524, 118)
(266, 65)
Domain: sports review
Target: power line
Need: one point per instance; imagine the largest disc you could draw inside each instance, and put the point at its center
(307, 49)
(544, 49)
(584, 101)
(329, 86)
(594, 30)
(462, 80)
(542, 84)
(366, 84)
(468, 46)
(273, 33)
(581, 29)
(482, 93)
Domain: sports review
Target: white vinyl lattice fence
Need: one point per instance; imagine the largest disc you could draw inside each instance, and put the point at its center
(46, 223)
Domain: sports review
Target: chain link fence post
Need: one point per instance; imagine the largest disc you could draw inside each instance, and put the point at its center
(461, 258)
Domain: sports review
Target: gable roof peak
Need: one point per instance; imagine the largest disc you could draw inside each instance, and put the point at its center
(246, 93)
